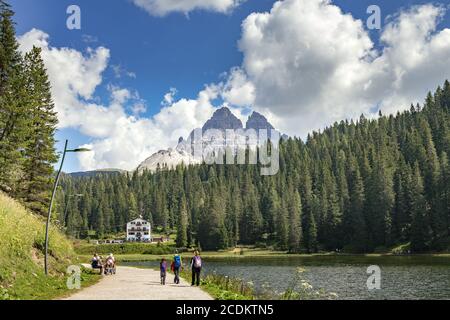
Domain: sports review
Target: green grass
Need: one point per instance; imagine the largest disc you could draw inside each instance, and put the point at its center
(123, 249)
(222, 288)
(22, 239)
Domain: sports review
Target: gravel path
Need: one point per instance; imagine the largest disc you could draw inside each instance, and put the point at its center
(139, 284)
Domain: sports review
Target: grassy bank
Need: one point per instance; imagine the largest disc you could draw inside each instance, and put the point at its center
(22, 239)
(223, 288)
(84, 249)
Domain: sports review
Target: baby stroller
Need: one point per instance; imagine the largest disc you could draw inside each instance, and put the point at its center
(110, 267)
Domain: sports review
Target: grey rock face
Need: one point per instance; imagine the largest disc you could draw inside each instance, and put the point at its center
(223, 119)
(257, 122)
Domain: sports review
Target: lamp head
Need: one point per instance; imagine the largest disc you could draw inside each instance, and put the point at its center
(79, 150)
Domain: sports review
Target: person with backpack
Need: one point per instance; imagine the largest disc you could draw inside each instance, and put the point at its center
(196, 266)
(176, 266)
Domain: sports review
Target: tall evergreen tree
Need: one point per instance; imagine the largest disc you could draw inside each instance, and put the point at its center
(182, 226)
(420, 229)
(39, 153)
(13, 104)
(295, 227)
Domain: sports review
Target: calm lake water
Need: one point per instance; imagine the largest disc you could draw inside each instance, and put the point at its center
(402, 277)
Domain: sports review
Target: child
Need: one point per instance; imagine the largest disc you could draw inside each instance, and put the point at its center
(163, 268)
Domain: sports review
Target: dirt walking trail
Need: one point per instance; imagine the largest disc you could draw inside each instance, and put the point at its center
(139, 284)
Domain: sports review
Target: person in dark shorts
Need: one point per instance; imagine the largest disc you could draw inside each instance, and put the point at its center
(163, 269)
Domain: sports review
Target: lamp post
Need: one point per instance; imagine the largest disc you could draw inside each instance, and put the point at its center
(53, 197)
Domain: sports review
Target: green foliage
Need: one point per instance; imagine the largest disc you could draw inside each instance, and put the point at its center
(224, 288)
(21, 255)
(182, 236)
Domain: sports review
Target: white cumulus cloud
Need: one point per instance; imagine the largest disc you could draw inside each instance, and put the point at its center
(74, 76)
(238, 90)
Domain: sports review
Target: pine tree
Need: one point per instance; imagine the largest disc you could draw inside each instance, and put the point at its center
(252, 221)
(420, 227)
(379, 203)
(354, 225)
(444, 201)
(212, 231)
(39, 151)
(295, 227)
(182, 225)
(133, 212)
(13, 104)
(310, 229)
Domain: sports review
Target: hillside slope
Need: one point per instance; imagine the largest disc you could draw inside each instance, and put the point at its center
(22, 238)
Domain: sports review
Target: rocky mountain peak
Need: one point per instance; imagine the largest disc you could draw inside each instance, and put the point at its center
(257, 121)
(223, 119)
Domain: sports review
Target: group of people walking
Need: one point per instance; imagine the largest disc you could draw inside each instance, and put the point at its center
(177, 265)
(195, 264)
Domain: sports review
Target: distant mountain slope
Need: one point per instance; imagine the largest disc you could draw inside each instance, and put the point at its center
(167, 159)
(96, 172)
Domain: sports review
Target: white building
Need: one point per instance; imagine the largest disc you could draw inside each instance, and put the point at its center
(139, 230)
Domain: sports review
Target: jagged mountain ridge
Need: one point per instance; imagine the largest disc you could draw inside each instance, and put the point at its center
(222, 120)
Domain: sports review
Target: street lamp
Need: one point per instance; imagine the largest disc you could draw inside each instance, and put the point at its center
(53, 197)
(67, 205)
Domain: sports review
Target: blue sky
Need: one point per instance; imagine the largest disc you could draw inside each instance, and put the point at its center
(182, 51)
